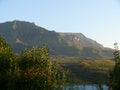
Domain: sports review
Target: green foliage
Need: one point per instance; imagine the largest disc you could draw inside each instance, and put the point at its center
(31, 70)
(114, 77)
(7, 65)
(37, 71)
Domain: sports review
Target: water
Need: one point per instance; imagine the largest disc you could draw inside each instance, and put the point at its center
(83, 87)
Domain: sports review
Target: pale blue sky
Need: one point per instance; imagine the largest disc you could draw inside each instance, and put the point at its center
(97, 19)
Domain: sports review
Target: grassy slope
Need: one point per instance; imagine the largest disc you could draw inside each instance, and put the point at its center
(87, 70)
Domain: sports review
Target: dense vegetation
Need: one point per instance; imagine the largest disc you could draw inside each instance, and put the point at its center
(114, 77)
(31, 70)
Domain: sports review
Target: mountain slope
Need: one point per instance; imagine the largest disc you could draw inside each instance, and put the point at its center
(22, 34)
(80, 39)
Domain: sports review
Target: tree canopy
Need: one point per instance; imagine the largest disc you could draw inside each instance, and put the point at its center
(31, 70)
(114, 79)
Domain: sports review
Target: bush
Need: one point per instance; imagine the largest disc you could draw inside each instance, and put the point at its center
(32, 70)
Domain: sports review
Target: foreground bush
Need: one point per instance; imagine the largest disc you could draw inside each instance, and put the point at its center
(31, 70)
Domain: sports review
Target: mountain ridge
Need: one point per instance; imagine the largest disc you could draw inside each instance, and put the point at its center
(80, 38)
(23, 34)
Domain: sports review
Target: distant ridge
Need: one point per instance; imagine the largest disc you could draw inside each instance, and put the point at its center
(22, 34)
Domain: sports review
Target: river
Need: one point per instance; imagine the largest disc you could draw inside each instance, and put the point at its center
(84, 87)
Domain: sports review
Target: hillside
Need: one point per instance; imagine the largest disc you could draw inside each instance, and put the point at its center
(81, 40)
(22, 34)
(87, 70)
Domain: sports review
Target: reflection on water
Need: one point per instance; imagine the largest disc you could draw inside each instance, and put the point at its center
(83, 87)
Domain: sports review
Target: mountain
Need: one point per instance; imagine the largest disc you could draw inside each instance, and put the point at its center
(22, 34)
(81, 40)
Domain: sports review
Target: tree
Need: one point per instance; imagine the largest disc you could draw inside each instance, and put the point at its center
(7, 65)
(114, 79)
(37, 72)
(32, 70)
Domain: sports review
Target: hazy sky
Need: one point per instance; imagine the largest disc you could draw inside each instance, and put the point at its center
(97, 19)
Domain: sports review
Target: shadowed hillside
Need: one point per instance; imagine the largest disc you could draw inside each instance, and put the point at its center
(22, 34)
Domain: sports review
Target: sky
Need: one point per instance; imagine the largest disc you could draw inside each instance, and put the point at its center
(96, 19)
